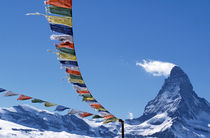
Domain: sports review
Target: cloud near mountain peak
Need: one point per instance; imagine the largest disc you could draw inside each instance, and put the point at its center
(155, 67)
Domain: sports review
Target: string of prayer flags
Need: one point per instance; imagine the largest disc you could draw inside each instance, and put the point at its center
(37, 101)
(2, 90)
(61, 29)
(61, 108)
(60, 3)
(59, 11)
(84, 114)
(67, 55)
(48, 104)
(63, 38)
(10, 93)
(23, 97)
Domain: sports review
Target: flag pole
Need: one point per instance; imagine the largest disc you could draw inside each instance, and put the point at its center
(122, 128)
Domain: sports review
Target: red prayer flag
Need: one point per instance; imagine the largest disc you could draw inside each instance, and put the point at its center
(83, 92)
(96, 106)
(23, 97)
(84, 114)
(73, 72)
(60, 3)
(110, 116)
(66, 45)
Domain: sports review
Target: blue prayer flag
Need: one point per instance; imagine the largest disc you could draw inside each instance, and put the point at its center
(2, 90)
(61, 108)
(61, 29)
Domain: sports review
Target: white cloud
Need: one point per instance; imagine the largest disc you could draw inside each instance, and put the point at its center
(156, 68)
(130, 115)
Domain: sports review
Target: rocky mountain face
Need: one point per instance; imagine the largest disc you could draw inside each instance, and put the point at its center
(176, 111)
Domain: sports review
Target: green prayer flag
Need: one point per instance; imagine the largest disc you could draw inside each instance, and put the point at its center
(59, 11)
(75, 77)
(97, 117)
(67, 50)
(37, 101)
(86, 95)
(48, 104)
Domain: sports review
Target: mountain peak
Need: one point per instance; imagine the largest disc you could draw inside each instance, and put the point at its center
(177, 72)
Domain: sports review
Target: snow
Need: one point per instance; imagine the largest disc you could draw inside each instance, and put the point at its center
(12, 130)
(156, 124)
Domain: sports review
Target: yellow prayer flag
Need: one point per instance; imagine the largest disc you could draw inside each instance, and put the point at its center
(76, 81)
(65, 56)
(60, 20)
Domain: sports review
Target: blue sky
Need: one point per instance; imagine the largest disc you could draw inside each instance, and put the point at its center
(110, 37)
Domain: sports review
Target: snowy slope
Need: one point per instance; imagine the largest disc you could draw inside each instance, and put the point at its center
(28, 120)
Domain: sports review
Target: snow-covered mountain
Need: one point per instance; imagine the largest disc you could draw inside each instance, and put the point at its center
(176, 111)
(27, 121)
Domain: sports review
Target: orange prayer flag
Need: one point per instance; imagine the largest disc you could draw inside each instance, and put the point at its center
(66, 45)
(60, 3)
(23, 97)
(73, 72)
(96, 106)
(84, 114)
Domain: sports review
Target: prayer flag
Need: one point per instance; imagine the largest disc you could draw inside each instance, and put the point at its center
(60, 20)
(88, 98)
(83, 92)
(110, 116)
(59, 11)
(75, 77)
(60, 3)
(86, 95)
(65, 56)
(61, 29)
(61, 108)
(65, 44)
(104, 113)
(64, 38)
(110, 120)
(97, 117)
(10, 93)
(76, 81)
(78, 88)
(68, 63)
(67, 50)
(73, 72)
(37, 101)
(96, 106)
(84, 114)
(2, 90)
(79, 84)
(73, 111)
(23, 97)
(48, 104)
